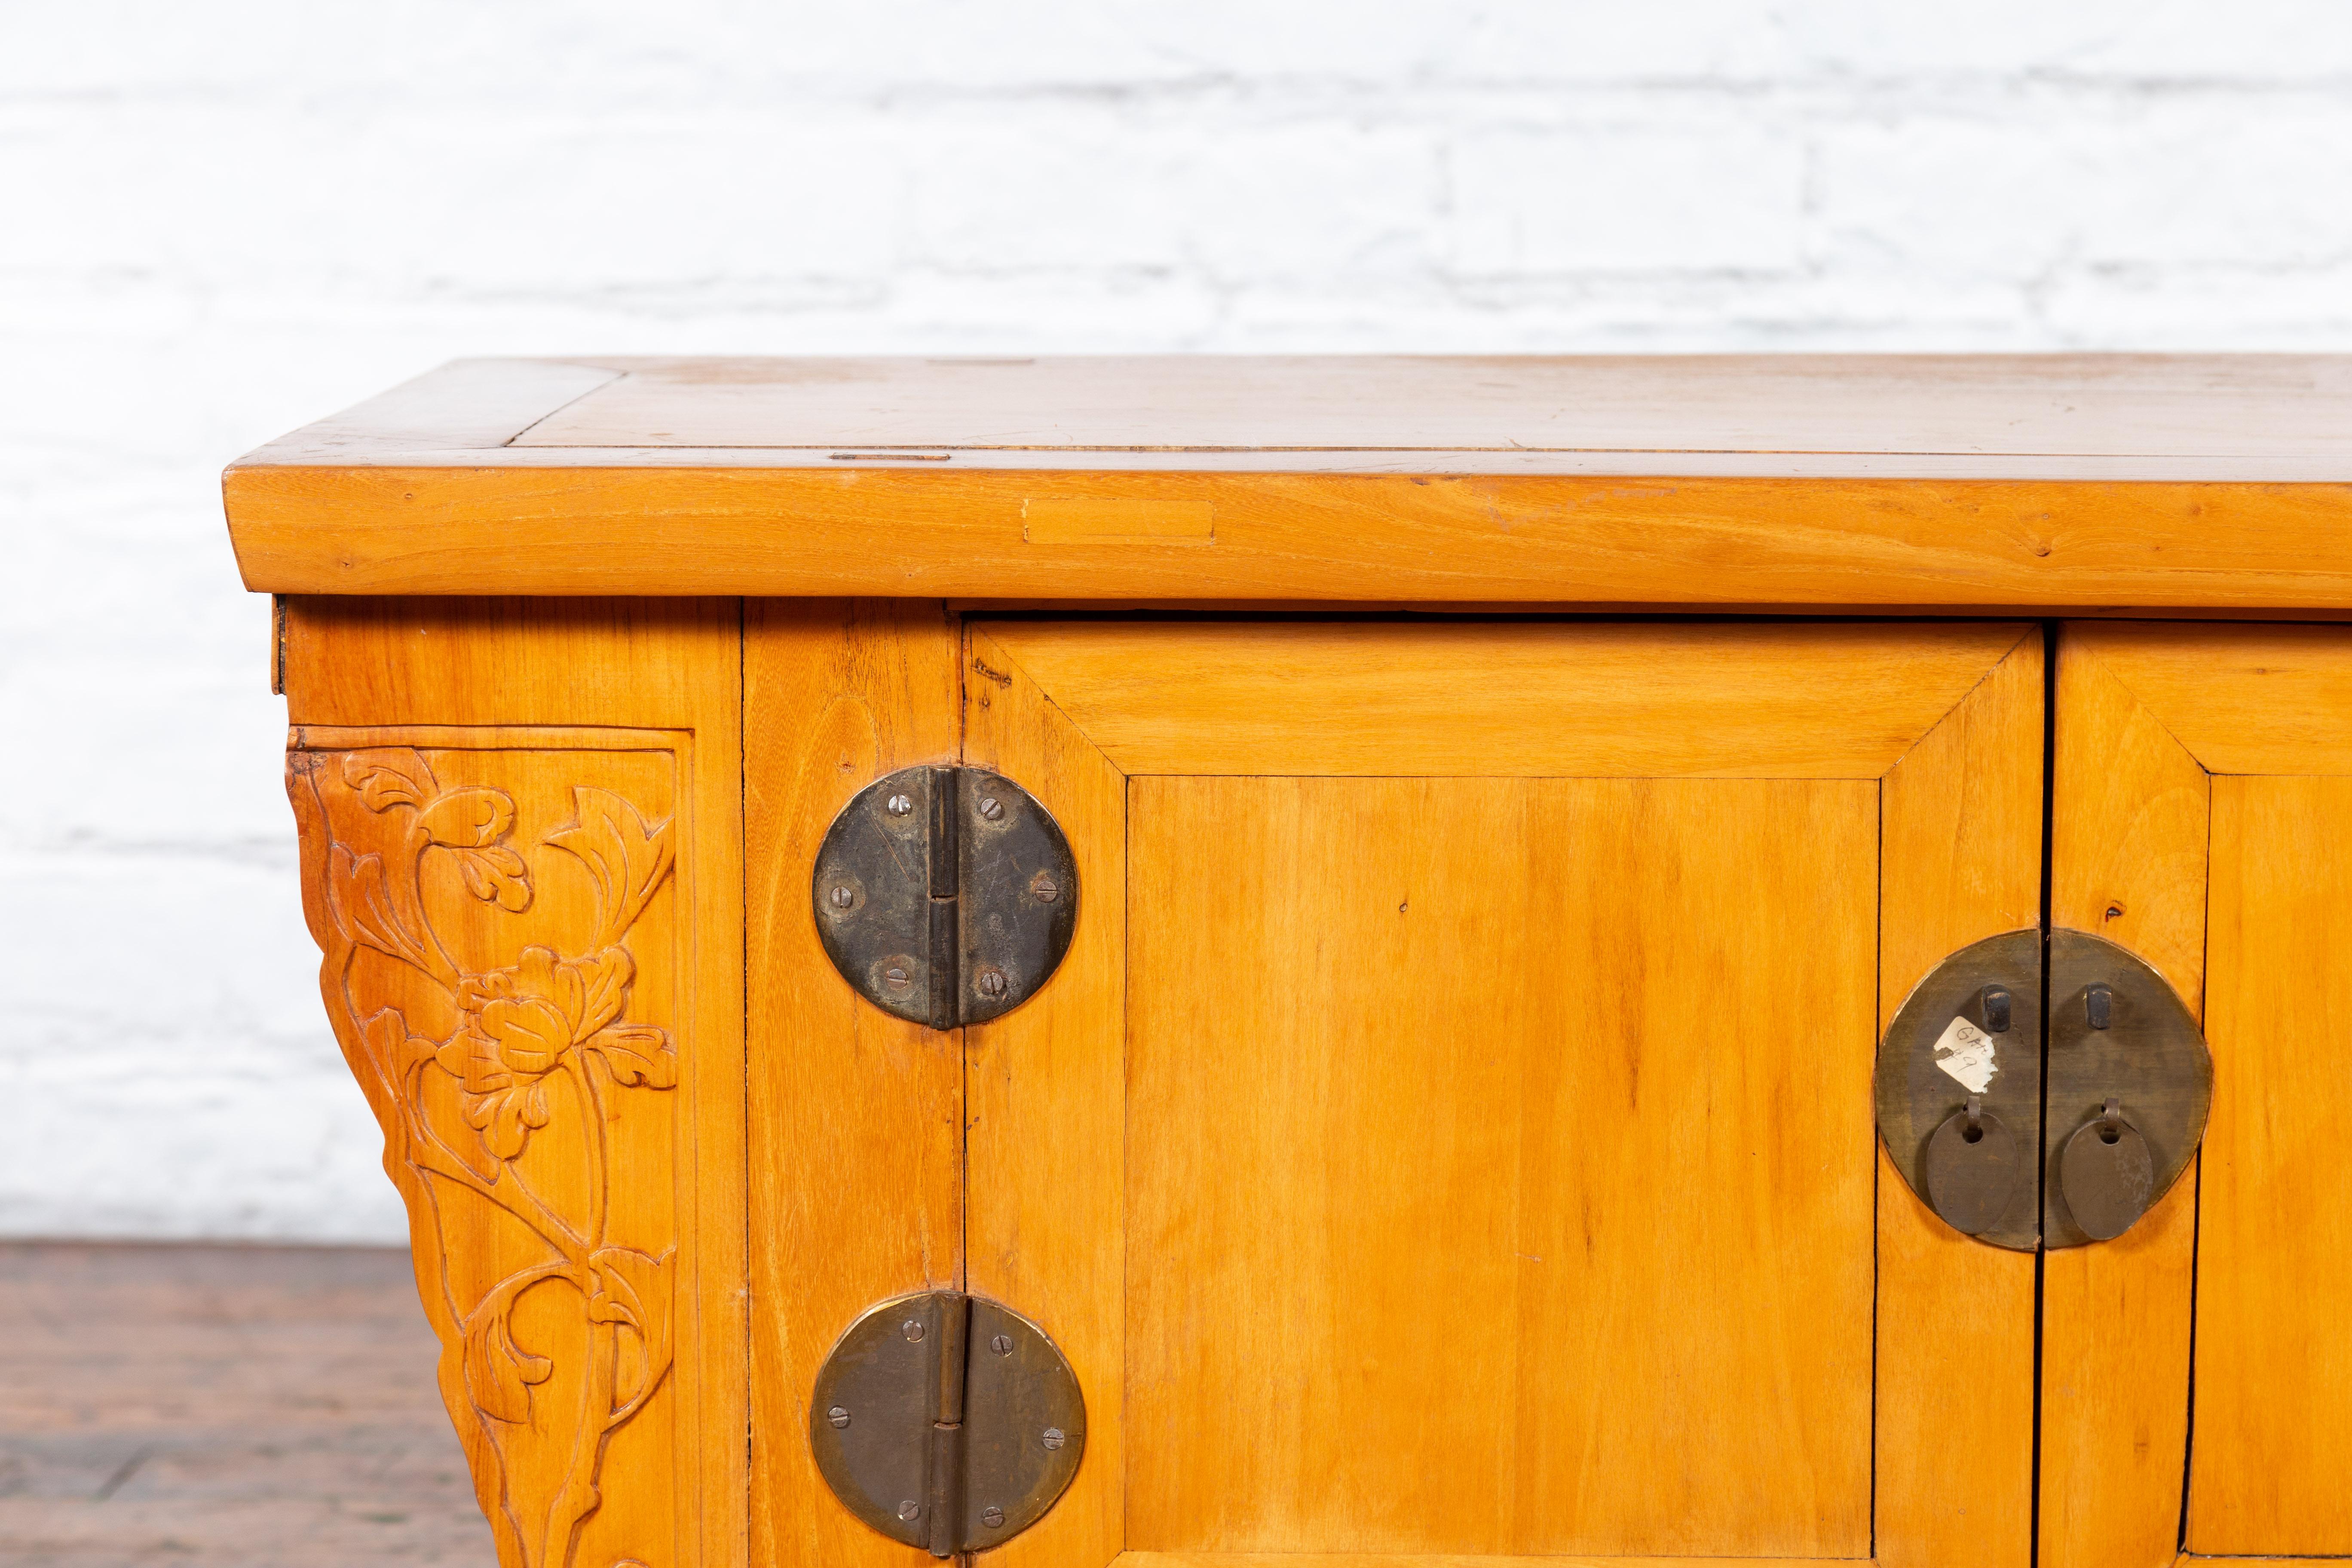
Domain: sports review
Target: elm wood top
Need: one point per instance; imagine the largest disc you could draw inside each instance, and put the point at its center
(2081, 480)
(1784, 414)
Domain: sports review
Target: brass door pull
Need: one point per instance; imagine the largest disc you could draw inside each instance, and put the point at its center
(2108, 1175)
(1972, 1164)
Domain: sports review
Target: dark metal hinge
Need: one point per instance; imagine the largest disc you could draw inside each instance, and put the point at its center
(947, 1420)
(945, 894)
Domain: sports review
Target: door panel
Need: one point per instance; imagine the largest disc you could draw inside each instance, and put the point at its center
(2202, 788)
(1470, 1122)
(1541, 1214)
(2274, 1366)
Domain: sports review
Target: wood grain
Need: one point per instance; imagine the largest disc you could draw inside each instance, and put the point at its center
(1977, 406)
(2128, 862)
(1387, 1290)
(1961, 841)
(467, 405)
(1511, 700)
(470, 723)
(1047, 1105)
(2273, 1365)
(2128, 842)
(631, 663)
(1668, 533)
(2259, 699)
(856, 1143)
(1437, 1560)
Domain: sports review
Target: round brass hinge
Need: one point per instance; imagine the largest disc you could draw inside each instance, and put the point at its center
(945, 894)
(947, 1420)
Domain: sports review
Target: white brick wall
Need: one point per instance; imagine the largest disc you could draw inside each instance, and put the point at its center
(219, 221)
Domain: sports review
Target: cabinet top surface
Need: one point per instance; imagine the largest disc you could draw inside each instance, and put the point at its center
(2223, 418)
(1997, 482)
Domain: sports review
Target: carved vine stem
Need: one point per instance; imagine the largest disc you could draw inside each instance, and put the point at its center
(461, 1111)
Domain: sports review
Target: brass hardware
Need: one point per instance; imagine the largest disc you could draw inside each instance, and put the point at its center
(945, 894)
(1962, 1075)
(2125, 1055)
(935, 1446)
(2106, 1174)
(1945, 1059)
(1972, 1167)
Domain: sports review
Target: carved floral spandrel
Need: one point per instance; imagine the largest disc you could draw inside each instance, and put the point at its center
(500, 1058)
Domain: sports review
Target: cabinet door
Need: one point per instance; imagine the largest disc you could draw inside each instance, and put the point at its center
(1450, 1134)
(2203, 816)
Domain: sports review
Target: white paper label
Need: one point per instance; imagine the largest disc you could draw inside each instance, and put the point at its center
(1965, 1051)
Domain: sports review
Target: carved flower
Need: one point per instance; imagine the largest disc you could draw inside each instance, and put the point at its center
(520, 1021)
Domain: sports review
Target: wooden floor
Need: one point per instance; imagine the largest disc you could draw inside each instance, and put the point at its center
(269, 1408)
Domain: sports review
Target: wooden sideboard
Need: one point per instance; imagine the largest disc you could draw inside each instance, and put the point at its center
(1503, 807)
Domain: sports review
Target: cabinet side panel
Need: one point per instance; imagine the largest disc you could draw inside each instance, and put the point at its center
(2128, 862)
(855, 1117)
(1047, 1087)
(520, 826)
(1962, 831)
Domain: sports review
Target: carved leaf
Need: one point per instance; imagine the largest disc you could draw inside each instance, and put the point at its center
(634, 1289)
(391, 1044)
(445, 1149)
(604, 986)
(496, 875)
(637, 1054)
(394, 776)
(361, 904)
(627, 858)
(506, 1118)
(500, 1374)
(469, 818)
(625, 1280)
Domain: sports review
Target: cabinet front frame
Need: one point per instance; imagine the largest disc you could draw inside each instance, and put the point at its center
(822, 695)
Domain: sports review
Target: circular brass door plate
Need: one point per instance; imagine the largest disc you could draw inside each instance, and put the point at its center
(1943, 1049)
(2124, 1057)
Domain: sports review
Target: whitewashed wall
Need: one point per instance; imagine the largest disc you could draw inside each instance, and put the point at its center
(218, 221)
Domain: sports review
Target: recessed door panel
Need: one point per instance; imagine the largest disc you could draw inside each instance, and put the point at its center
(1499, 1166)
(2274, 1369)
